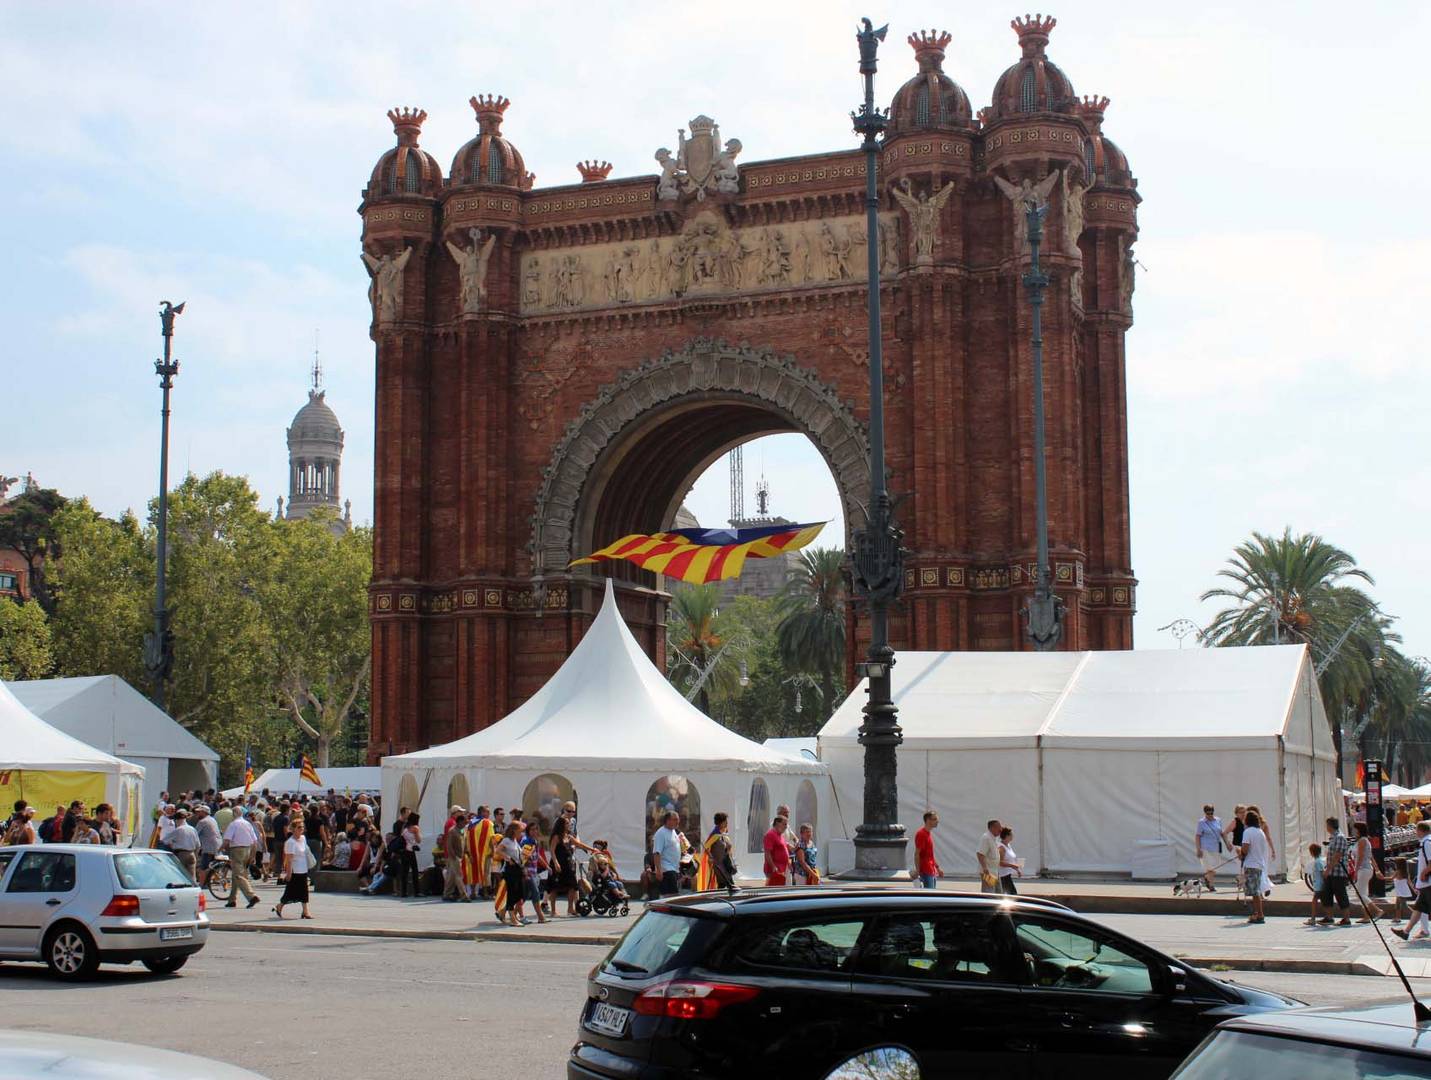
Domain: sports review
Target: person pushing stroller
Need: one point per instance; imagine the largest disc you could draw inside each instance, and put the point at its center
(608, 891)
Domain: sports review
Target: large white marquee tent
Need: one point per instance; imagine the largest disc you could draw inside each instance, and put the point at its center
(1094, 758)
(609, 727)
(48, 768)
(110, 715)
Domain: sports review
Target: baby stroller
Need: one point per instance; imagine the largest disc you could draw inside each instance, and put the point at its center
(607, 893)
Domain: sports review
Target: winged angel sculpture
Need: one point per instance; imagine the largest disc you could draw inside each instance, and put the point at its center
(923, 213)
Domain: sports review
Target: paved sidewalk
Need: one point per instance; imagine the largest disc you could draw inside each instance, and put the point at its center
(1210, 932)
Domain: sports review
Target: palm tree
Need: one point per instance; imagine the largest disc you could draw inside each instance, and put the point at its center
(698, 639)
(811, 634)
(1298, 590)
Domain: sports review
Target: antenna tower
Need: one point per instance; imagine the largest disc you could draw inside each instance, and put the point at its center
(762, 498)
(317, 367)
(737, 487)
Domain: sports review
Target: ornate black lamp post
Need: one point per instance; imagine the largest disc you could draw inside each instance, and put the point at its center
(159, 642)
(877, 557)
(1045, 610)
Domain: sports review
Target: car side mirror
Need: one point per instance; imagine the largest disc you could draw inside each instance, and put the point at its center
(881, 1063)
(1177, 980)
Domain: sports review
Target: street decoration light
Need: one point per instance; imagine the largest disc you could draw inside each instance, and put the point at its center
(877, 557)
(159, 642)
(1045, 610)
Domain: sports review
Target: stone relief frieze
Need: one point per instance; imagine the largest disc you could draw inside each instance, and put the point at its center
(708, 257)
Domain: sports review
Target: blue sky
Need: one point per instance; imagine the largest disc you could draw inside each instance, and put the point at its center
(216, 154)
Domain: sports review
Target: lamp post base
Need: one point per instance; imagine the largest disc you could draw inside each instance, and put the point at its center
(884, 858)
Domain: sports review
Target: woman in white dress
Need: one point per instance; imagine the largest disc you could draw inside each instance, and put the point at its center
(297, 861)
(1008, 862)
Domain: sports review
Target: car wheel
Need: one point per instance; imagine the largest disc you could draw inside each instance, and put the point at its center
(165, 965)
(70, 952)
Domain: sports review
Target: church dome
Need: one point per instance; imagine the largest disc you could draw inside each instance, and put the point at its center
(1035, 84)
(931, 99)
(1102, 159)
(315, 423)
(490, 158)
(406, 169)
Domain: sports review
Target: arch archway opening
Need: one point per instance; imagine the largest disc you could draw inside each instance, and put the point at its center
(545, 796)
(458, 793)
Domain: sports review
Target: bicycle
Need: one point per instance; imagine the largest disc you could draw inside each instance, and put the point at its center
(221, 878)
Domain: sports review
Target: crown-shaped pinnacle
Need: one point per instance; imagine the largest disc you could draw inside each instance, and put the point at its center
(593, 171)
(489, 109)
(1033, 31)
(929, 47)
(1092, 105)
(407, 122)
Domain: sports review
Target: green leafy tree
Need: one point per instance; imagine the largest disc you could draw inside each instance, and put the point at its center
(221, 551)
(28, 526)
(1300, 589)
(701, 636)
(811, 635)
(104, 594)
(317, 604)
(25, 651)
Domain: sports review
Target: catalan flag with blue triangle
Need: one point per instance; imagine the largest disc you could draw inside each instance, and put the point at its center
(698, 556)
(306, 771)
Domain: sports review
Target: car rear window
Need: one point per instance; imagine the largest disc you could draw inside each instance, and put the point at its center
(657, 942)
(1238, 1053)
(150, 870)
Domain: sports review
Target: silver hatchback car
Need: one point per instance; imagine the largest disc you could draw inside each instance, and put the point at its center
(75, 906)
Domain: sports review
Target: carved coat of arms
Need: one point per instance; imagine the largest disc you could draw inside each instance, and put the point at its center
(701, 163)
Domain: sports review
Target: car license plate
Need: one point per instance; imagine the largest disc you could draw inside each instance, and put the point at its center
(608, 1019)
(174, 933)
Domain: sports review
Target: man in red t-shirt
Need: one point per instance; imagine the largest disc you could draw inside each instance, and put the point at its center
(924, 862)
(777, 855)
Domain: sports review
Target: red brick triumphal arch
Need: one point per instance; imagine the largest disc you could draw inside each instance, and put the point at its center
(556, 366)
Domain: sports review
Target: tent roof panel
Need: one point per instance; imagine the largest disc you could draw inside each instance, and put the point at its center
(30, 743)
(607, 707)
(106, 712)
(1200, 697)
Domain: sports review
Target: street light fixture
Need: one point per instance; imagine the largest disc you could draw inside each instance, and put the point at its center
(877, 559)
(159, 642)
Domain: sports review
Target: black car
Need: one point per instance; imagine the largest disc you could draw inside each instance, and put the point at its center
(793, 983)
(1325, 1044)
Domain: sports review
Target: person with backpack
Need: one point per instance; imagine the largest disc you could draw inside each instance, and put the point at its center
(19, 830)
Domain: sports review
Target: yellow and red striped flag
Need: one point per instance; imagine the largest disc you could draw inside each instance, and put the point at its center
(705, 871)
(698, 556)
(307, 772)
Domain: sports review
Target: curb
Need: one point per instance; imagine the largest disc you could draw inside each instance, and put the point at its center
(1283, 967)
(1286, 966)
(428, 935)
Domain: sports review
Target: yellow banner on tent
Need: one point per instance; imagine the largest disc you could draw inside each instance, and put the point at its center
(45, 790)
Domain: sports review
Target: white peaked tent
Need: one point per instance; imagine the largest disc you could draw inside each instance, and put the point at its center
(48, 768)
(611, 727)
(1093, 758)
(109, 714)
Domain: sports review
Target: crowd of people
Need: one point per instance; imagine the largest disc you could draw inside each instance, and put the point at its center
(73, 824)
(1340, 871)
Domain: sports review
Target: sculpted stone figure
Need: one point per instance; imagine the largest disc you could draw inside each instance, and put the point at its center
(1072, 214)
(1127, 270)
(668, 187)
(1023, 195)
(923, 213)
(701, 163)
(725, 174)
(775, 261)
(385, 292)
(532, 283)
(472, 268)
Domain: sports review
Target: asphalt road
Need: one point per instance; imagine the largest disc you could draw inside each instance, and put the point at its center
(308, 1008)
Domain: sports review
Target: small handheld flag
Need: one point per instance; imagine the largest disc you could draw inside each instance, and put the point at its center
(699, 556)
(307, 772)
(247, 772)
